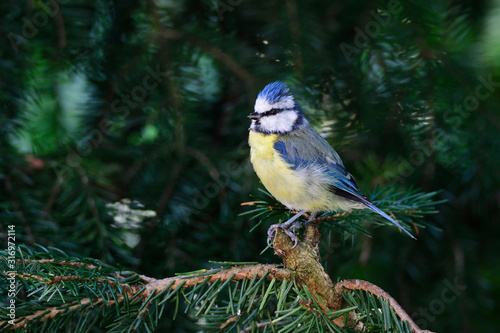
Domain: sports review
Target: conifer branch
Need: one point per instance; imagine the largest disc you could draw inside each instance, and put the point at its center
(315, 296)
(380, 293)
(61, 262)
(145, 291)
(236, 273)
(257, 325)
(304, 260)
(51, 313)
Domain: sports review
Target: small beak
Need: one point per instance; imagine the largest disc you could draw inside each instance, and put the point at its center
(254, 115)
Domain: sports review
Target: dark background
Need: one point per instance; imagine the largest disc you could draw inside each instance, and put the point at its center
(123, 134)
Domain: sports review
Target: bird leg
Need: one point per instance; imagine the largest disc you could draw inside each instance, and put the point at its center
(311, 218)
(297, 224)
(285, 227)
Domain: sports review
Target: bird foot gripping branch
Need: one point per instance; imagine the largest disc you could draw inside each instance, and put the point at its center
(303, 259)
(289, 228)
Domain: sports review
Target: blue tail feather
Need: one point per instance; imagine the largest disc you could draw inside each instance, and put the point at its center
(378, 211)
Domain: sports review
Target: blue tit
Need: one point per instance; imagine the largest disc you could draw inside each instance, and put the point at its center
(296, 165)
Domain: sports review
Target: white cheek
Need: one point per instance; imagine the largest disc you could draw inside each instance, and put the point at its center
(262, 105)
(282, 122)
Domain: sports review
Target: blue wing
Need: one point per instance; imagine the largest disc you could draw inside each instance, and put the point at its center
(342, 183)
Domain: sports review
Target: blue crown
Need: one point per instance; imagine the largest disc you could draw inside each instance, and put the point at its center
(275, 92)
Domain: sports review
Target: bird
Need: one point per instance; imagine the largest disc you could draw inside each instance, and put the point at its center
(297, 165)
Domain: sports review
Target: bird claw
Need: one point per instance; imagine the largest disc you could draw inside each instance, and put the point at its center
(272, 231)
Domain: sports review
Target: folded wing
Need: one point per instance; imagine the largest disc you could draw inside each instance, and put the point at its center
(301, 154)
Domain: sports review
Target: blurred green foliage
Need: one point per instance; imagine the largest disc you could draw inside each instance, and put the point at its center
(115, 111)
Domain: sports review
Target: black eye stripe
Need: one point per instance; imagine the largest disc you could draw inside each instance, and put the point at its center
(272, 112)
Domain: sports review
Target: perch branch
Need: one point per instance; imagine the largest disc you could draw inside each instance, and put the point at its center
(304, 261)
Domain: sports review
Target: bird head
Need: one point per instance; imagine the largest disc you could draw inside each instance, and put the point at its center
(275, 111)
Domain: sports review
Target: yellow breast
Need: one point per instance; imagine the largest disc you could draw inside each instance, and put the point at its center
(285, 184)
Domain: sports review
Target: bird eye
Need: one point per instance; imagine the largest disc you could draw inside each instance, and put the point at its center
(273, 111)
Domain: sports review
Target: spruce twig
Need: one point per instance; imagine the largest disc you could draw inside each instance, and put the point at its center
(380, 293)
